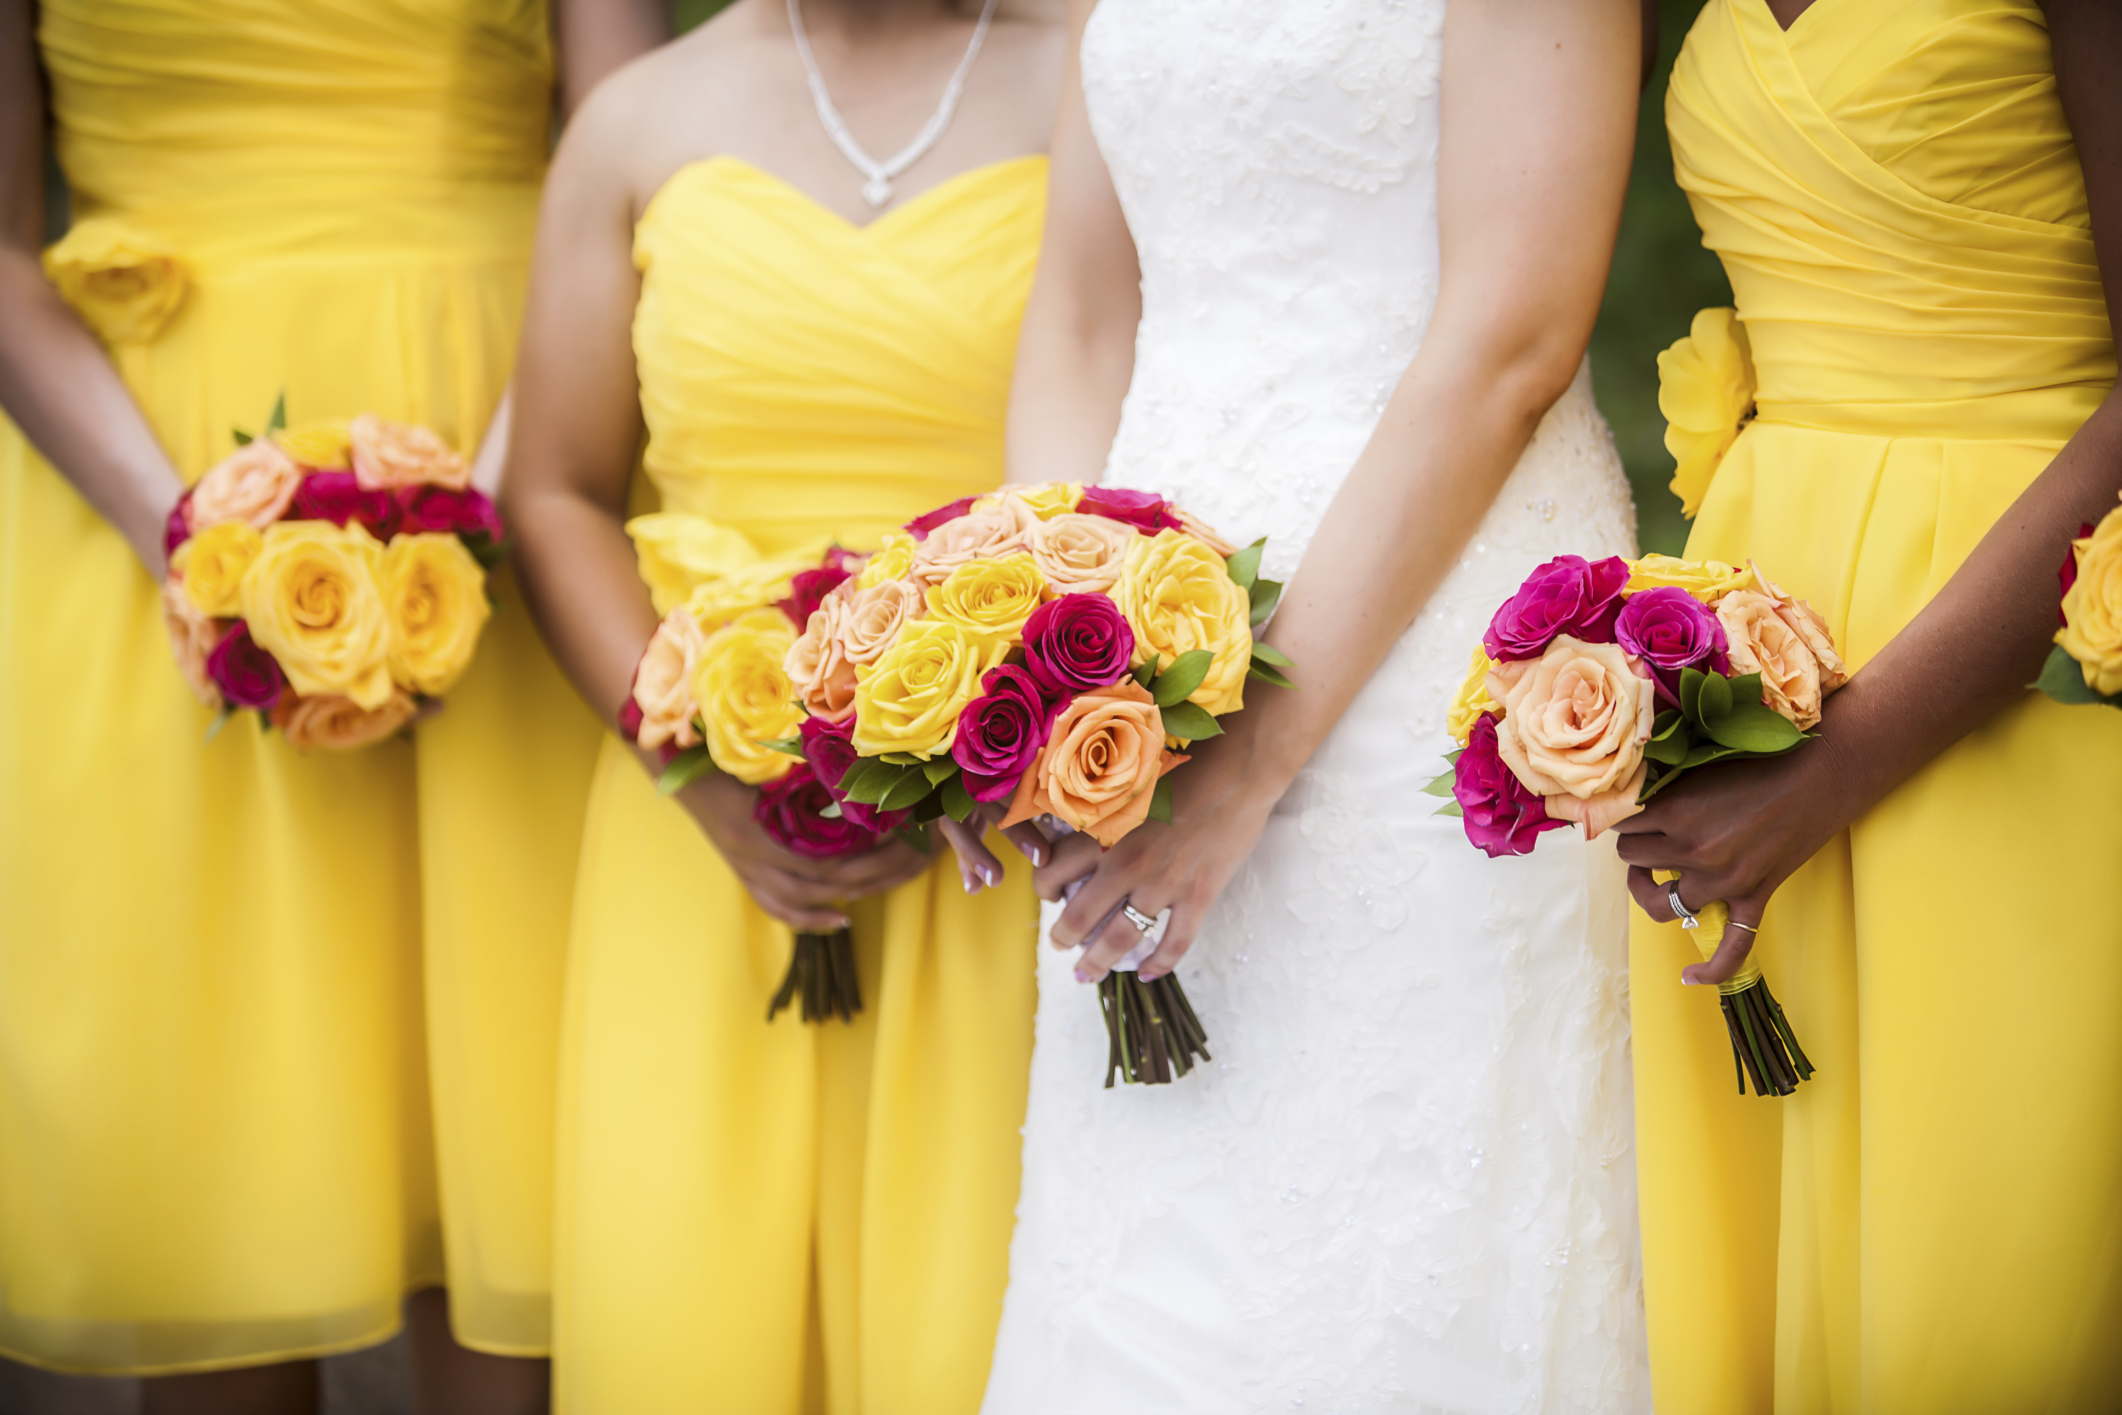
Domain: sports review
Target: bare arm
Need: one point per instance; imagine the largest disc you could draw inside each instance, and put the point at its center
(1077, 351)
(1531, 176)
(56, 382)
(576, 427)
(1743, 830)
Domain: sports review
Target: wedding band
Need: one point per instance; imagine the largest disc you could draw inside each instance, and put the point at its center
(1143, 922)
(1735, 924)
(1685, 915)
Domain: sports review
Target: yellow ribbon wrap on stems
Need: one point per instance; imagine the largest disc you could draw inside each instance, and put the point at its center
(1709, 934)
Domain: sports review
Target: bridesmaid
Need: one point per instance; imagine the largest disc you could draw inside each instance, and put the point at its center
(1925, 269)
(763, 1218)
(215, 1145)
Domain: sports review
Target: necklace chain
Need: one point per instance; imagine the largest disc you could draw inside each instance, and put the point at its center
(878, 189)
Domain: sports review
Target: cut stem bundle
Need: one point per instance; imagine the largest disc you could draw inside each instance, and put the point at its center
(1151, 1031)
(1762, 1044)
(822, 971)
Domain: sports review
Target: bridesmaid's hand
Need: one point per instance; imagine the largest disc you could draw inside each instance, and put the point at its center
(978, 868)
(1220, 804)
(801, 892)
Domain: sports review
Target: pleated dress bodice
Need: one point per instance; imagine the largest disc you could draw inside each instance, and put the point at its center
(1893, 189)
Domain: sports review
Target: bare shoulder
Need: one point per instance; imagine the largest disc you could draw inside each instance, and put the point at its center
(1018, 83)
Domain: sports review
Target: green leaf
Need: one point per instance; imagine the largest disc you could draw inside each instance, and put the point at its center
(1191, 721)
(1716, 698)
(831, 810)
(1268, 653)
(1656, 781)
(1452, 809)
(1145, 671)
(1668, 750)
(1441, 785)
(1691, 694)
(277, 418)
(1266, 595)
(1245, 565)
(911, 787)
(1750, 727)
(243, 439)
(903, 759)
(937, 770)
(684, 769)
(928, 808)
(1177, 683)
(2063, 679)
(1160, 801)
(1667, 723)
(792, 746)
(856, 770)
(916, 836)
(213, 729)
(485, 549)
(1745, 687)
(876, 781)
(1271, 675)
(1703, 753)
(958, 803)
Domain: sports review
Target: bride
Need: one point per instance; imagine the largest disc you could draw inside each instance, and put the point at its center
(1326, 272)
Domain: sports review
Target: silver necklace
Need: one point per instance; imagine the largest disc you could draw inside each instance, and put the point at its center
(878, 189)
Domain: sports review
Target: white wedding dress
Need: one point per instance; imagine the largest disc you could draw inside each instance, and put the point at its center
(1406, 1180)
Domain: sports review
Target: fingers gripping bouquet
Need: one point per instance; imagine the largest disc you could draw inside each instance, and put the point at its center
(1599, 684)
(330, 576)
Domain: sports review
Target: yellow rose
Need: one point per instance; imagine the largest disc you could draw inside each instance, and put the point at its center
(2092, 610)
(387, 455)
(125, 283)
(745, 697)
(1178, 596)
(1706, 391)
(910, 698)
(435, 596)
(1473, 700)
(891, 562)
(340, 724)
(1574, 724)
(1707, 580)
(213, 564)
(325, 444)
(990, 596)
(312, 602)
(192, 636)
(1045, 500)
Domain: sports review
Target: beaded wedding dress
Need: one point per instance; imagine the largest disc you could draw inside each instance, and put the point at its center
(1405, 1182)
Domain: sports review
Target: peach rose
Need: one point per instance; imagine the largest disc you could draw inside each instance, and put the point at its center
(1100, 766)
(818, 665)
(387, 455)
(340, 724)
(1761, 641)
(1080, 554)
(1201, 531)
(977, 535)
(254, 486)
(192, 637)
(874, 617)
(1574, 723)
(663, 684)
(1806, 623)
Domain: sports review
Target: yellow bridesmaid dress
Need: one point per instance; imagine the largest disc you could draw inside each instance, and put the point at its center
(215, 1135)
(1928, 1225)
(764, 1218)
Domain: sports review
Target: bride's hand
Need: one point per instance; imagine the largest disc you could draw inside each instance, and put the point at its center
(1219, 808)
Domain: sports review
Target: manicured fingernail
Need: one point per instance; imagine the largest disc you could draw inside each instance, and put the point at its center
(972, 886)
(990, 875)
(1147, 976)
(1038, 856)
(1083, 975)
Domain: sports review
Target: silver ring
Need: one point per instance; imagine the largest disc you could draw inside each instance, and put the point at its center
(1143, 922)
(1685, 915)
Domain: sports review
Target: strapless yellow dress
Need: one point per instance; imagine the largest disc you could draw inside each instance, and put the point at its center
(1928, 1225)
(764, 1218)
(216, 1143)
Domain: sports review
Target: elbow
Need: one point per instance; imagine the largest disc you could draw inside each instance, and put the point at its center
(1530, 372)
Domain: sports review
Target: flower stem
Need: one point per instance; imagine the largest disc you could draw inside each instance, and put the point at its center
(1151, 1030)
(822, 969)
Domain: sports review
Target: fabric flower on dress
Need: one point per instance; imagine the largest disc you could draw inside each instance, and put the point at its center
(1706, 392)
(125, 282)
(2092, 606)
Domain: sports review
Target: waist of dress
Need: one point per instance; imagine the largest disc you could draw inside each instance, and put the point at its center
(420, 219)
(2051, 414)
(784, 512)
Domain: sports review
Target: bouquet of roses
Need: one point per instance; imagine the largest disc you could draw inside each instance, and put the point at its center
(331, 576)
(1043, 646)
(2085, 666)
(1599, 684)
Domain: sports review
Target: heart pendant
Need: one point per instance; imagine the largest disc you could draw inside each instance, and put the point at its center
(877, 191)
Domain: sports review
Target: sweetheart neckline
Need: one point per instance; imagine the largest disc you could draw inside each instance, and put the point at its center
(971, 175)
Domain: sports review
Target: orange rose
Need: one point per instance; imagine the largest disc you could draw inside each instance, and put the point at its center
(388, 455)
(1080, 554)
(254, 486)
(1099, 768)
(977, 535)
(1806, 623)
(1574, 723)
(1201, 531)
(663, 684)
(1761, 641)
(192, 637)
(340, 724)
(873, 618)
(818, 665)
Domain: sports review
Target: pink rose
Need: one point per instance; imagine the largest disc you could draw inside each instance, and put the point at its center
(1080, 554)
(246, 674)
(388, 455)
(829, 749)
(465, 512)
(920, 527)
(255, 485)
(872, 618)
(1000, 530)
(808, 589)
(340, 724)
(177, 528)
(791, 810)
(1146, 511)
(1500, 815)
(338, 498)
(818, 666)
(663, 683)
